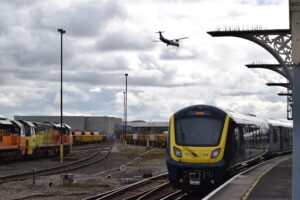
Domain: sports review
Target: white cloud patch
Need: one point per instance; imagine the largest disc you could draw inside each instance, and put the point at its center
(96, 89)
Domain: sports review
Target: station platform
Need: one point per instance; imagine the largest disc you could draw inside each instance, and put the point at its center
(272, 180)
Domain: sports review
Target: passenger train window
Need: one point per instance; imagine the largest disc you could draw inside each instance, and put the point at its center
(275, 135)
(237, 134)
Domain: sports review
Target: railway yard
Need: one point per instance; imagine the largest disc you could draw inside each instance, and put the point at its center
(95, 167)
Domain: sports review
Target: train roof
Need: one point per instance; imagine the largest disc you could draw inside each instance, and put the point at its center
(245, 118)
(58, 125)
(216, 111)
(6, 122)
(27, 123)
(274, 122)
(67, 126)
(18, 123)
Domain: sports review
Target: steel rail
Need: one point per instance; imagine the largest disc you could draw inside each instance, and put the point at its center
(90, 146)
(78, 165)
(117, 191)
(178, 193)
(153, 190)
(59, 169)
(148, 192)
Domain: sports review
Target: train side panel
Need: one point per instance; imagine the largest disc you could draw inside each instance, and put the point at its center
(12, 139)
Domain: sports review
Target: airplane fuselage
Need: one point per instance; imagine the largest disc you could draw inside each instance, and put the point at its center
(168, 42)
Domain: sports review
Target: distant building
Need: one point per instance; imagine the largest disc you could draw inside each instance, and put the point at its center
(106, 125)
(147, 127)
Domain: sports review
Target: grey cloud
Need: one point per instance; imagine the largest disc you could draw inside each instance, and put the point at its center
(271, 97)
(106, 64)
(83, 19)
(82, 71)
(166, 75)
(117, 79)
(177, 54)
(235, 13)
(124, 40)
(262, 2)
(18, 3)
(114, 64)
(174, 1)
(240, 93)
(94, 78)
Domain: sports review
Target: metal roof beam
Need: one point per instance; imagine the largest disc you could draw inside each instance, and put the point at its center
(284, 94)
(286, 85)
(273, 67)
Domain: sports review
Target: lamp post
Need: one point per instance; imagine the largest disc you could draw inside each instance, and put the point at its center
(61, 31)
(125, 131)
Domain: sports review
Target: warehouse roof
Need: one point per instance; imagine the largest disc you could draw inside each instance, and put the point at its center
(147, 124)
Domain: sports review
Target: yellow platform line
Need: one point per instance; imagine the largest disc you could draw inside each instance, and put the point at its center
(246, 195)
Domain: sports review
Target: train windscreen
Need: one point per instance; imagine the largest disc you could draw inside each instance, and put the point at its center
(198, 131)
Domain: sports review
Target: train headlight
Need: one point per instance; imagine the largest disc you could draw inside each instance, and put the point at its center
(177, 152)
(216, 153)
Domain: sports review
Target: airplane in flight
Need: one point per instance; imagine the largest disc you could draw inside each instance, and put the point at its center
(173, 42)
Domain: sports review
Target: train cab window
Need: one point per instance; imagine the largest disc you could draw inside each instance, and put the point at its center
(32, 131)
(16, 130)
(198, 131)
(27, 131)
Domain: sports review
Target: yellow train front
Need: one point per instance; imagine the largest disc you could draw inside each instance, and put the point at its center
(206, 143)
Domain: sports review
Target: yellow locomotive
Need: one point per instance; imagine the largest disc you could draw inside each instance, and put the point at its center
(159, 140)
(85, 137)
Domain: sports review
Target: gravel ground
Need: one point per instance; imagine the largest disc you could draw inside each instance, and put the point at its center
(89, 181)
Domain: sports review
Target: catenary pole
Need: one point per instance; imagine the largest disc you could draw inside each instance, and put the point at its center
(126, 75)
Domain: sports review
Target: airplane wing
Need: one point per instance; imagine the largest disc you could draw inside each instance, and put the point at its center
(177, 39)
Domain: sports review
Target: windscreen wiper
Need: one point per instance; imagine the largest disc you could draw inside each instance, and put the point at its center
(187, 148)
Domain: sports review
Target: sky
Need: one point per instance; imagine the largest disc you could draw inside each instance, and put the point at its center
(105, 39)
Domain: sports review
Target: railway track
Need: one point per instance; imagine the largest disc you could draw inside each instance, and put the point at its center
(163, 191)
(157, 187)
(90, 146)
(132, 189)
(62, 168)
(78, 149)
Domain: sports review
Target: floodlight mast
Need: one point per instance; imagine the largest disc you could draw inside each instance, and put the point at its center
(61, 31)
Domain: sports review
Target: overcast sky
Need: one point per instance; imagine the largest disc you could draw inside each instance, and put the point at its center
(107, 38)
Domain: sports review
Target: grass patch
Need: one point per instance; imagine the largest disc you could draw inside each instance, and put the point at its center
(154, 155)
(160, 153)
(132, 155)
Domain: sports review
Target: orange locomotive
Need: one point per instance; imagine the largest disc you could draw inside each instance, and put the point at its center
(12, 139)
(23, 138)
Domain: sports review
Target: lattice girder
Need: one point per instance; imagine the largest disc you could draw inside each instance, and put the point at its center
(277, 42)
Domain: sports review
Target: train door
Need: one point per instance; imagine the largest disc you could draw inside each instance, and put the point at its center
(242, 146)
(237, 145)
(281, 133)
(274, 140)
